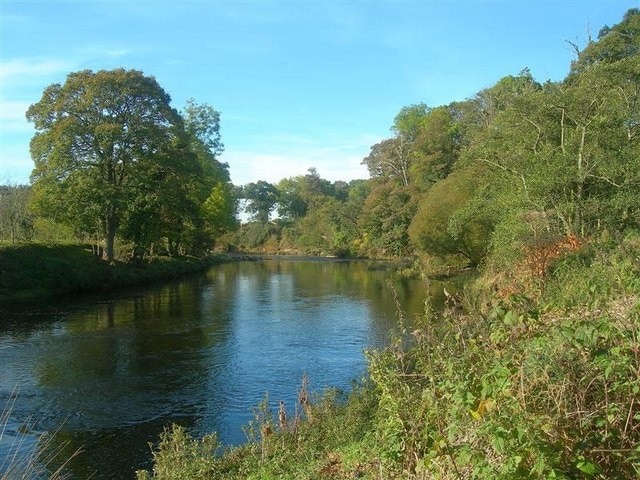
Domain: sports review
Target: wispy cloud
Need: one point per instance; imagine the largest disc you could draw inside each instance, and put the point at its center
(23, 67)
(13, 109)
(35, 68)
(12, 116)
(334, 161)
(117, 52)
(100, 51)
(15, 164)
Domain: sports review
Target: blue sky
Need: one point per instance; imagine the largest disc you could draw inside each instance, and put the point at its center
(298, 84)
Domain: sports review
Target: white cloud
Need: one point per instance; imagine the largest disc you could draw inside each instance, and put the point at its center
(12, 109)
(15, 165)
(92, 52)
(24, 67)
(246, 167)
(15, 132)
(333, 162)
(271, 157)
(117, 52)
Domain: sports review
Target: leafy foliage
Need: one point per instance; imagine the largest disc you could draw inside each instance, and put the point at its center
(112, 157)
(476, 181)
(16, 222)
(613, 43)
(537, 185)
(443, 227)
(262, 198)
(181, 457)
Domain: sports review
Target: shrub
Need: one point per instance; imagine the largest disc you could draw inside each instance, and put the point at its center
(181, 457)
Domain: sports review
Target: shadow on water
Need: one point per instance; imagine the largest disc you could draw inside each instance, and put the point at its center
(106, 375)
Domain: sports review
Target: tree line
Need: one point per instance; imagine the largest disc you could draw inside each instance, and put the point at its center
(520, 163)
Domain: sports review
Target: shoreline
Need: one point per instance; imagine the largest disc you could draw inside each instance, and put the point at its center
(37, 273)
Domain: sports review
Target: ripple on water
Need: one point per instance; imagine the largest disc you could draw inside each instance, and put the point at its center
(109, 375)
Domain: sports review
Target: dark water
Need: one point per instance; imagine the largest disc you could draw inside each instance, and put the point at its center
(108, 374)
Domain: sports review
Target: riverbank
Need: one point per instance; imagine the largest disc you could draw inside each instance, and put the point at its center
(539, 382)
(40, 273)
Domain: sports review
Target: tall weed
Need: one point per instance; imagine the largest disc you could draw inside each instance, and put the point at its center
(522, 392)
(26, 459)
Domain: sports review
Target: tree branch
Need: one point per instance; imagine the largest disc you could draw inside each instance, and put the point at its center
(537, 142)
(611, 182)
(512, 171)
(576, 48)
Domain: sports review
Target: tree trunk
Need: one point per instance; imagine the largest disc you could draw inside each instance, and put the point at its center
(579, 192)
(110, 236)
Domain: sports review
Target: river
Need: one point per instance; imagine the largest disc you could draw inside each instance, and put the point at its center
(106, 374)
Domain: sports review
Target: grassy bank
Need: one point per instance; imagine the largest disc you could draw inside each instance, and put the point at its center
(37, 272)
(539, 383)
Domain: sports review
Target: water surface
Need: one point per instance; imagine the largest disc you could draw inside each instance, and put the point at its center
(107, 374)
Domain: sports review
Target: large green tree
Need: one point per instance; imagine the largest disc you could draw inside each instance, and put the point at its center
(291, 202)
(261, 199)
(97, 136)
(613, 43)
(446, 222)
(298, 195)
(386, 216)
(389, 160)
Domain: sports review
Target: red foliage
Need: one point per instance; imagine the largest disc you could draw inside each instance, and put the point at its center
(540, 256)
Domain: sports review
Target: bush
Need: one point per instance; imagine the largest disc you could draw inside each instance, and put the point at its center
(253, 235)
(516, 395)
(181, 457)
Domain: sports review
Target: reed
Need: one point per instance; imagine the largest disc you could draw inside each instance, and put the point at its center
(22, 461)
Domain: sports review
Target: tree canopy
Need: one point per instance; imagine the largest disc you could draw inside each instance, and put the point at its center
(112, 156)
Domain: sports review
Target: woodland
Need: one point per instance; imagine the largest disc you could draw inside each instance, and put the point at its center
(535, 186)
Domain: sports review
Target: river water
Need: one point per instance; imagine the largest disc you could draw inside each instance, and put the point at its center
(107, 374)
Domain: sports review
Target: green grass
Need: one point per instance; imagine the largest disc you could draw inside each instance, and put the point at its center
(38, 272)
(326, 439)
